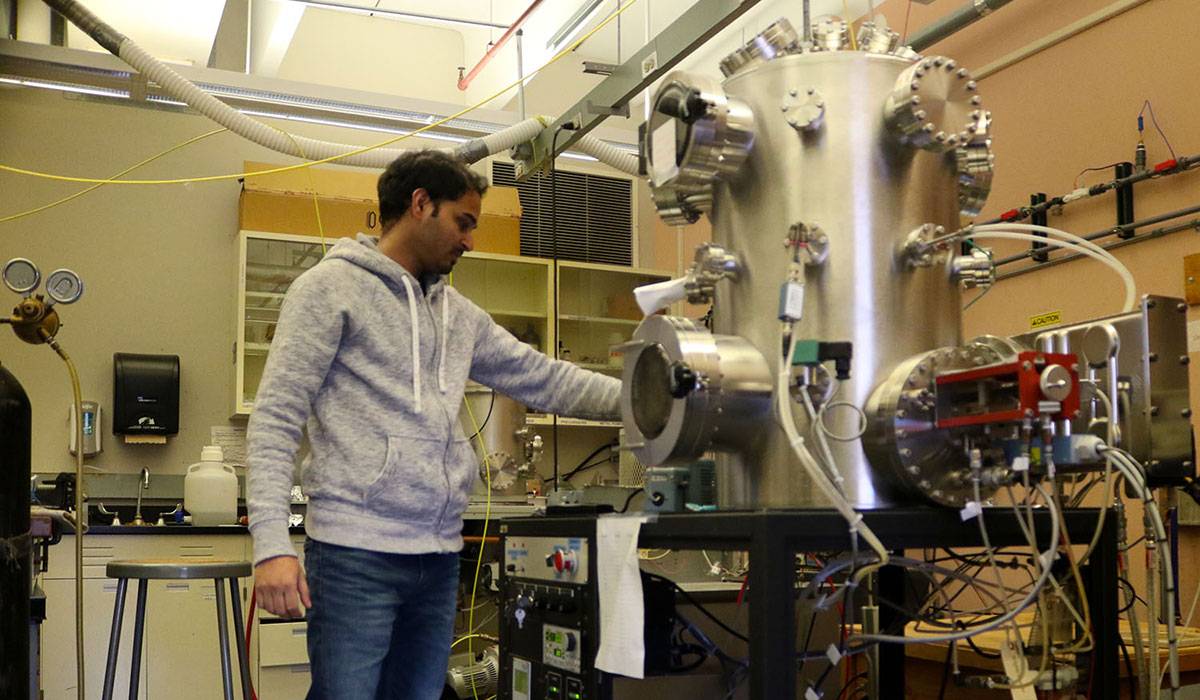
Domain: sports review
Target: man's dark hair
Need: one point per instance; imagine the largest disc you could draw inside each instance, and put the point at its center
(445, 177)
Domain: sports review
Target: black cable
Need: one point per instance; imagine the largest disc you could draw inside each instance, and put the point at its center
(1128, 668)
(812, 622)
(630, 499)
(946, 671)
(581, 466)
(554, 258)
(850, 683)
(491, 405)
(687, 596)
(981, 652)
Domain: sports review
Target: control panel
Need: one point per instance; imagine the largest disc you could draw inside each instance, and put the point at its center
(549, 629)
(547, 558)
(560, 647)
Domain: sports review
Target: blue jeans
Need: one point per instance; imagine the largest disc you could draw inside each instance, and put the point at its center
(381, 624)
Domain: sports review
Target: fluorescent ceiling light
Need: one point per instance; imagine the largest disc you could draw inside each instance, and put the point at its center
(398, 14)
(65, 87)
(582, 16)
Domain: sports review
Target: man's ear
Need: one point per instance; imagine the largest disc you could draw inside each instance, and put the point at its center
(421, 202)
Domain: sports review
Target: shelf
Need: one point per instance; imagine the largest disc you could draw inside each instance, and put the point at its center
(257, 348)
(542, 419)
(517, 314)
(599, 319)
(596, 366)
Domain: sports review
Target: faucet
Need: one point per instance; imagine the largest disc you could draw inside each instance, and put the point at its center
(143, 484)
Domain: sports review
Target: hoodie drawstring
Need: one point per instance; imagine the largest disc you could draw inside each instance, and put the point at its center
(442, 354)
(416, 345)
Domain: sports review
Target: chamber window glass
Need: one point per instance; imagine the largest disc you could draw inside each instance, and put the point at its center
(651, 391)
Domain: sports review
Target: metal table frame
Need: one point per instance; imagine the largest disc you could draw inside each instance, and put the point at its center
(774, 537)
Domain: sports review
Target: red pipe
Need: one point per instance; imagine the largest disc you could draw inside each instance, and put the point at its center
(465, 81)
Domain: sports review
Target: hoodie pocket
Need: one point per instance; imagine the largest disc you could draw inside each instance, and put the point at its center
(411, 484)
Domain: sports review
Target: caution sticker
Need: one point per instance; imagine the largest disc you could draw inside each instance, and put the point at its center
(1051, 318)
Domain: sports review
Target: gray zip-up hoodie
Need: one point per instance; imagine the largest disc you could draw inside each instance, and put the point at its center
(377, 369)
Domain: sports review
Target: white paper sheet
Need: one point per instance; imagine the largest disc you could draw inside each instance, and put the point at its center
(622, 646)
(232, 441)
(662, 143)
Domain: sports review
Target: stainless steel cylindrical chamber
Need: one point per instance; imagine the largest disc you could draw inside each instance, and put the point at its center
(849, 175)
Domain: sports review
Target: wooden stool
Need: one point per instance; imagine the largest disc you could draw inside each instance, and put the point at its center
(177, 569)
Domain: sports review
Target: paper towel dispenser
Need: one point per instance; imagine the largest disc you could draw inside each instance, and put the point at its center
(145, 394)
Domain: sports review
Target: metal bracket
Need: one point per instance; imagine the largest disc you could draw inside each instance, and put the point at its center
(673, 44)
(622, 111)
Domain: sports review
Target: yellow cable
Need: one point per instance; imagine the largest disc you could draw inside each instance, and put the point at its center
(130, 169)
(312, 186)
(464, 638)
(850, 25)
(487, 515)
(330, 159)
(80, 515)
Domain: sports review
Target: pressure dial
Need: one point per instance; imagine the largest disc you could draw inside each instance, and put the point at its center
(21, 275)
(64, 286)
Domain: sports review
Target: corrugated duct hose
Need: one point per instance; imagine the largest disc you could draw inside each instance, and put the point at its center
(275, 139)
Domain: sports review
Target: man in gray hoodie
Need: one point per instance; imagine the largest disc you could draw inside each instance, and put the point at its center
(372, 354)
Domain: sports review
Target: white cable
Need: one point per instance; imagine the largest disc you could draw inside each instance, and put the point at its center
(1072, 242)
(1047, 558)
(814, 418)
(1132, 470)
(818, 476)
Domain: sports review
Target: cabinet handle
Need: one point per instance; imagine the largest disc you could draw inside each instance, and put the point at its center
(182, 587)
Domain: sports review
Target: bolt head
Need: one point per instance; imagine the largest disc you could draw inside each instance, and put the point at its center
(1154, 410)
(1184, 359)
(793, 92)
(1186, 413)
(1182, 307)
(1153, 357)
(1150, 303)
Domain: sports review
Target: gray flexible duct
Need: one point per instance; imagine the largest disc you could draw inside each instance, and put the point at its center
(275, 139)
(311, 149)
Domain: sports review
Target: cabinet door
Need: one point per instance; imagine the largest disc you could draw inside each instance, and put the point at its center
(58, 639)
(181, 635)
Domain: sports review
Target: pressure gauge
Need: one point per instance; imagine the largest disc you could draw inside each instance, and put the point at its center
(21, 275)
(64, 286)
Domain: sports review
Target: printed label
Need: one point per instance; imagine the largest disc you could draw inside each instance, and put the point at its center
(1052, 318)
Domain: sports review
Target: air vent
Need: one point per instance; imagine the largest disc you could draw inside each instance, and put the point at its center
(594, 215)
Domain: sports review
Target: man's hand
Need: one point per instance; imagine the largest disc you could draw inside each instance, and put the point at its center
(281, 587)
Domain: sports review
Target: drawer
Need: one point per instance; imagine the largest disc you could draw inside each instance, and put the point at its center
(284, 682)
(98, 550)
(282, 644)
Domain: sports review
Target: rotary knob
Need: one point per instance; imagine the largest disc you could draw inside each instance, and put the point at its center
(935, 106)
(564, 561)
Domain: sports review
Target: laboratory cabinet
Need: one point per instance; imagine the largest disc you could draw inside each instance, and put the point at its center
(596, 314)
(516, 291)
(180, 657)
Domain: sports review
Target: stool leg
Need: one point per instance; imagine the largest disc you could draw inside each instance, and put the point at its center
(223, 640)
(139, 626)
(114, 639)
(240, 636)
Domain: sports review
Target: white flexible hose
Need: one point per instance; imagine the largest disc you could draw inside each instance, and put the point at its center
(1126, 277)
(608, 154)
(275, 139)
(1132, 472)
(818, 475)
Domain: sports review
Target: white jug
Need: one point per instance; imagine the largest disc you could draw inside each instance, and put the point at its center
(210, 490)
